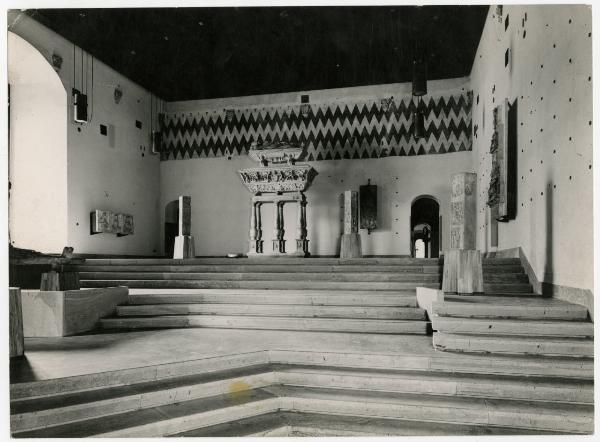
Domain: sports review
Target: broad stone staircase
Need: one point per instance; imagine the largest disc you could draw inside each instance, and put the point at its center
(285, 393)
(473, 387)
(503, 323)
(365, 295)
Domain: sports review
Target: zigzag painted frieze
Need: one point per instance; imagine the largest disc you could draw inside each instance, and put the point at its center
(352, 130)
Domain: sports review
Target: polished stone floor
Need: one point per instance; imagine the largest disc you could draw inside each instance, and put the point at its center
(48, 358)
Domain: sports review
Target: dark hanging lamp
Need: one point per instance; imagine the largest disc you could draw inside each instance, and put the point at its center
(418, 121)
(419, 79)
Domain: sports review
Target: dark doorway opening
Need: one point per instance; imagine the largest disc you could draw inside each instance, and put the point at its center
(171, 226)
(425, 228)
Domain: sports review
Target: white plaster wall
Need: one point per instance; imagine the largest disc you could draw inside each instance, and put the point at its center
(114, 172)
(37, 152)
(221, 203)
(550, 74)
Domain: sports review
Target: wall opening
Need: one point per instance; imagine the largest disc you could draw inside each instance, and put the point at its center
(171, 226)
(425, 228)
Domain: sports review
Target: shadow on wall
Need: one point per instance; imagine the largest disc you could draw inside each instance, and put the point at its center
(548, 278)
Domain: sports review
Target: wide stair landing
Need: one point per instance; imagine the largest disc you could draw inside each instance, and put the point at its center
(365, 295)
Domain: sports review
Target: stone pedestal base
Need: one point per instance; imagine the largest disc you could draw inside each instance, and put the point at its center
(278, 246)
(463, 272)
(302, 248)
(350, 247)
(255, 246)
(15, 312)
(59, 281)
(184, 247)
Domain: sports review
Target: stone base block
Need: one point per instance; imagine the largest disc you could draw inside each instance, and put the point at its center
(65, 313)
(463, 272)
(15, 312)
(52, 281)
(278, 246)
(302, 248)
(184, 247)
(255, 246)
(350, 246)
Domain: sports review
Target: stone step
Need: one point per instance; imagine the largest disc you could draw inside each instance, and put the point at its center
(267, 297)
(336, 277)
(443, 363)
(505, 277)
(165, 420)
(270, 260)
(439, 384)
(265, 268)
(546, 346)
(288, 260)
(495, 269)
(286, 424)
(269, 323)
(272, 285)
(509, 307)
(512, 327)
(546, 416)
(61, 409)
(499, 287)
(358, 312)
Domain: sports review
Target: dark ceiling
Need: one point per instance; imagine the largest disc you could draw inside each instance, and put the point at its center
(193, 53)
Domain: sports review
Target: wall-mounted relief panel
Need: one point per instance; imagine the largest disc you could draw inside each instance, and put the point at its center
(104, 221)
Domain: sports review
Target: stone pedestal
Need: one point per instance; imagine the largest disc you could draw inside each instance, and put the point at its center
(463, 271)
(350, 246)
(184, 247)
(15, 313)
(184, 242)
(54, 280)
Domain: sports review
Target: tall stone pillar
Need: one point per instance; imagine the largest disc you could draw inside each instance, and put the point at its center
(184, 241)
(301, 231)
(350, 245)
(255, 243)
(463, 272)
(278, 231)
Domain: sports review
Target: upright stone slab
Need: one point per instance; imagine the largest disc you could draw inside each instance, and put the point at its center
(15, 313)
(462, 263)
(184, 241)
(350, 244)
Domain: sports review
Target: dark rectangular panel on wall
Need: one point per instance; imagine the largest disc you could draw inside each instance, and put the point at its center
(368, 207)
(511, 161)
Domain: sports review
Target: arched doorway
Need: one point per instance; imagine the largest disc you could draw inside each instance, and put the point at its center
(425, 227)
(171, 226)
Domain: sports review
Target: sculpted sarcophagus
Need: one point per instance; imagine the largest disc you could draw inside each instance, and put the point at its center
(293, 178)
(278, 181)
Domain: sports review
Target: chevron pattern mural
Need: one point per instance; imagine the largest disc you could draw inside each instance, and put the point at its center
(328, 131)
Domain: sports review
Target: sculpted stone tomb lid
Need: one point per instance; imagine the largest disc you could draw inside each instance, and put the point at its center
(275, 153)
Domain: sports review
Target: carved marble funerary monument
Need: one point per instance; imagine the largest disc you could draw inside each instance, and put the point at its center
(277, 181)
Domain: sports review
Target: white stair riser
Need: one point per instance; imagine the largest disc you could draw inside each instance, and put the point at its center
(509, 327)
(274, 310)
(475, 344)
(271, 323)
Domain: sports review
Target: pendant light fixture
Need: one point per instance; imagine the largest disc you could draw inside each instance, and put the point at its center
(419, 85)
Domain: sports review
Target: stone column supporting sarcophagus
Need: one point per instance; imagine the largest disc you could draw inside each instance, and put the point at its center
(278, 180)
